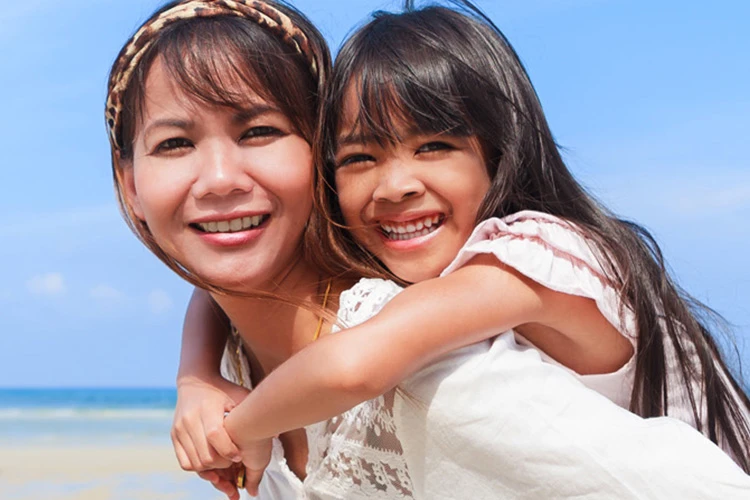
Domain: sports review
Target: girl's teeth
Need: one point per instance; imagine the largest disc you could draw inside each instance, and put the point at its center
(411, 229)
(212, 227)
(235, 224)
(223, 226)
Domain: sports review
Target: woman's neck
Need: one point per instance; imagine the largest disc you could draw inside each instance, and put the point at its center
(277, 326)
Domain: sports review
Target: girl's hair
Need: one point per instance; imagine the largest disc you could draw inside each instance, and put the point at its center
(452, 70)
(209, 58)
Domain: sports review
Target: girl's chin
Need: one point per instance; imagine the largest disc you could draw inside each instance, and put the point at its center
(409, 274)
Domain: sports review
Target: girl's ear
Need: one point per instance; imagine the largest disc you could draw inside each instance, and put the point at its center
(129, 190)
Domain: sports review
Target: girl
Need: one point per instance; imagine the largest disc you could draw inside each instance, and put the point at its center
(429, 112)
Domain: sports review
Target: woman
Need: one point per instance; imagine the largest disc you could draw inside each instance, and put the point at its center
(213, 170)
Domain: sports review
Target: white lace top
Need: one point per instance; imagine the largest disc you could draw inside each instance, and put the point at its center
(493, 420)
(500, 419)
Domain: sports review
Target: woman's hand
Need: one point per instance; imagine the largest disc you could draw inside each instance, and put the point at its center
(200, 441)
(224, 480)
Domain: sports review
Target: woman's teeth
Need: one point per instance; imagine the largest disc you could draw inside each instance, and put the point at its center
(411, 229)
(233, 225)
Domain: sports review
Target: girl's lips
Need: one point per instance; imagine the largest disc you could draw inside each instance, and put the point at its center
(411, 243)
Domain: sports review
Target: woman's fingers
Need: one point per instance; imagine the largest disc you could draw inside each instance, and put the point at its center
(223, 481)
(218, 439)
(182, 457)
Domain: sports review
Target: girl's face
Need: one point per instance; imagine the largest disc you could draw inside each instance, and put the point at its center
(412, 204)
(225, 193)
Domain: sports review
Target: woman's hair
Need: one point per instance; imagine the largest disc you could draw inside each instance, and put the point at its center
(452, 71)
(217, 60)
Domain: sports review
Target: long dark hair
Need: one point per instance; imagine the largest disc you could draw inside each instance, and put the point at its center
(452, 70)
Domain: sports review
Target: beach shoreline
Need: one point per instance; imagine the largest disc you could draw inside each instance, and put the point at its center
(97, 472)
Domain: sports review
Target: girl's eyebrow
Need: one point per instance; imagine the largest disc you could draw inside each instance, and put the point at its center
(355, 138)
(358, 138)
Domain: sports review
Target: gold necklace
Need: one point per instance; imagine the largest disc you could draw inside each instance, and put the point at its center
(320, 318)
(240, 479)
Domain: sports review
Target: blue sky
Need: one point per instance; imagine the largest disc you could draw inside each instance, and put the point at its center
(650, 100)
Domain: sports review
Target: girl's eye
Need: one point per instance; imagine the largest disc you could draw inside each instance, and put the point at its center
(173, 144)
(355, 159)
(434, 146)
(263, 131)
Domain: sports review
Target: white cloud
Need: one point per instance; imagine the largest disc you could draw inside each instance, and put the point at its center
(106, 293)
(159, 301)
(47, 284)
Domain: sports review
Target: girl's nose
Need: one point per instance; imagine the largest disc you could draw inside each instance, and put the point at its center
(223, 171)
(397, 183)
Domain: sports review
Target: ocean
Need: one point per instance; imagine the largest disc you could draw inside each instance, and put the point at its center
(86, 415)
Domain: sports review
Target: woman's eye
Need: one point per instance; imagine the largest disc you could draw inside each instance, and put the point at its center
(434, 146)
(173, 144)
(355, 159)
(263, 131)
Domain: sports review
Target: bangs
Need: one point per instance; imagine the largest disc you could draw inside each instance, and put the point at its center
(227, 61)
(396, 89)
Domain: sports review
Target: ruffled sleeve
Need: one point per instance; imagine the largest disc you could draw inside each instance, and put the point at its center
(551, 252)
(555, 254)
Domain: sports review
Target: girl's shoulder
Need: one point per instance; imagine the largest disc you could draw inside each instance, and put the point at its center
(553, 252)
(531, 239)
(364, 300)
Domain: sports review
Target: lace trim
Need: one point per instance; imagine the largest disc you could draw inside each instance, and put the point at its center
(358, 454)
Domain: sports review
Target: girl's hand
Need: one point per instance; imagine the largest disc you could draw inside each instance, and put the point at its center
(198, 434)
(255, 457)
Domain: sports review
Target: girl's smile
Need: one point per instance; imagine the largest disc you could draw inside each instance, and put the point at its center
(412, 204)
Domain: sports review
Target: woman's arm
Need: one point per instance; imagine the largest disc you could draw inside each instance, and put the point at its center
(422, 323)
(203, 395)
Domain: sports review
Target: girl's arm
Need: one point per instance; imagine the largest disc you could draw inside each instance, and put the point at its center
(420, 324)
(203, 395)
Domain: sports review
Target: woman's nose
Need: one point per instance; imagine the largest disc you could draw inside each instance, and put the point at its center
(223, 171)
(397, 182)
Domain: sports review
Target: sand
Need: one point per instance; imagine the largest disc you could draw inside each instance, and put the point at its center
(91, 472)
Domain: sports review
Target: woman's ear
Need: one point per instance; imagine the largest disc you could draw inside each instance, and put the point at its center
(128, 187)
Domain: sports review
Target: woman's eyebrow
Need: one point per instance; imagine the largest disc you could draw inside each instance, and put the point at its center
(168, 123)
(252, 112)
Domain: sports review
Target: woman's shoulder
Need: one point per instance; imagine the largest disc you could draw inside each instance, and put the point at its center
(365, 299)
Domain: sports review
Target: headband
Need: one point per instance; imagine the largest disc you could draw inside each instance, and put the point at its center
(259, 12)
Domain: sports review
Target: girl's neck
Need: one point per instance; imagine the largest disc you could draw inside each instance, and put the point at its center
(275, 328)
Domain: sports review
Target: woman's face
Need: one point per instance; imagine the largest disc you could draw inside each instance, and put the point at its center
(412, 204)
(225, 193)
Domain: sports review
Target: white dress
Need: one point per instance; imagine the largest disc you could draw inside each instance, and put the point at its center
(500, 419)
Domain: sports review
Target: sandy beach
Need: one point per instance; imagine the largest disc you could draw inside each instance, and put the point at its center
(97, 472)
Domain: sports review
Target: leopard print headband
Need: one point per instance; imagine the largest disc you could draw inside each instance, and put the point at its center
(258, 11)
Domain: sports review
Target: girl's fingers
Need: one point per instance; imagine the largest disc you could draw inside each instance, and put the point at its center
(252, 480)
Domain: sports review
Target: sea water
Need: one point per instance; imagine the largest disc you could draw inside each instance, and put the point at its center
(86, 415)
